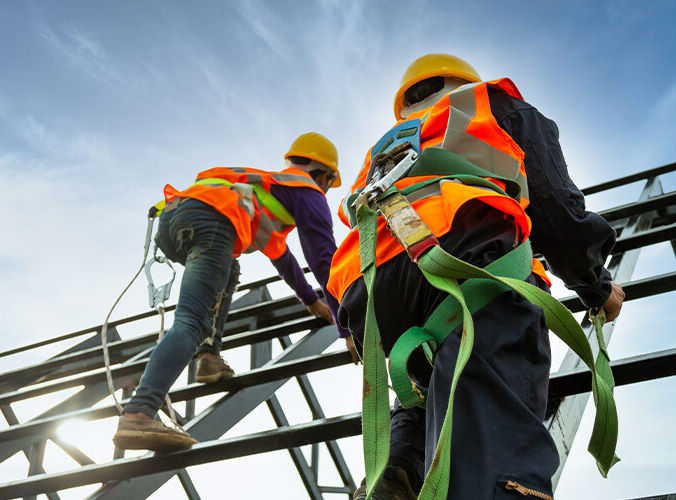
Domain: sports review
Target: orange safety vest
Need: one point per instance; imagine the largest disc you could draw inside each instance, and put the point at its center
(470, 131)
(256, 226)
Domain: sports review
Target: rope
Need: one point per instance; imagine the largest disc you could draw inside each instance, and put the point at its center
(167, 399)
(104, 329)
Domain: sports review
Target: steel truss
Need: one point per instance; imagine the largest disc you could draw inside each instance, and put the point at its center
(257, 320)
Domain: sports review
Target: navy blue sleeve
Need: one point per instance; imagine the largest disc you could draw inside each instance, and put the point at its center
(574, 242)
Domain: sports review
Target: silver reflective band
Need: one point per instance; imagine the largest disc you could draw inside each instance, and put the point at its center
(462, 111)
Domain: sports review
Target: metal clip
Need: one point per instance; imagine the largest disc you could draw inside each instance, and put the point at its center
(379, 184)
(158, 295)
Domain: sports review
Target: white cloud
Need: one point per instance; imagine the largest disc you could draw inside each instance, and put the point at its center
(82, 51)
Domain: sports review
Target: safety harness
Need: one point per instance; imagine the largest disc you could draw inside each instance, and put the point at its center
(158, 295)
(399, 153)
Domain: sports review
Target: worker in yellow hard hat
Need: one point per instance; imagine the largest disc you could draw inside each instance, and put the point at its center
(485, 175)
(227, 212)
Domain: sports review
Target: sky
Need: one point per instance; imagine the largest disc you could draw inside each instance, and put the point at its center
(101, 104)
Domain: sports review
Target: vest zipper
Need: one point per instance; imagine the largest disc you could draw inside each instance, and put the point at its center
(513, 485)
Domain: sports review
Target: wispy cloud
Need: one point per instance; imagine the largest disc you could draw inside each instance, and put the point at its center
(84, 52)
(61, 149)
(266, 25)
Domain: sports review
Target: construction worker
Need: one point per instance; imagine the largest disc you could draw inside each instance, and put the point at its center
(226, 212)
(498, 438)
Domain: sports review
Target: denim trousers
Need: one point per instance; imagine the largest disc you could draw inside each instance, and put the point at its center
(501, 397)
(194, 234)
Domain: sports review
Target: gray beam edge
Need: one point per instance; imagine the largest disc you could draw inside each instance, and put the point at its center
(564, 423)
(221, 416)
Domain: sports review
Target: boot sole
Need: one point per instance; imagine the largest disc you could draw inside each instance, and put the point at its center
(154, 441)
(208, 379)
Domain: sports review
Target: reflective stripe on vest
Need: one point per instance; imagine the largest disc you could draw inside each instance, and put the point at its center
(264, 198)
(462, 122)
(437, 205)
(243, 196)
(466, 135)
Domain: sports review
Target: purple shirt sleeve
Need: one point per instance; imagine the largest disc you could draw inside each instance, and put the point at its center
(288, 268)
(315, 231)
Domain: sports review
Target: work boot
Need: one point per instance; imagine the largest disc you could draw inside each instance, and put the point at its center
(149, 434)
(395, 487)
(211, 368)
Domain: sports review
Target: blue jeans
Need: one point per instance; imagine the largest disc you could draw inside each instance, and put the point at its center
(202, 239)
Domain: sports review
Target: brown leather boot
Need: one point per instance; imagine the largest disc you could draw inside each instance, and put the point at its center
(396, 488)
(149, 434)
(211, 368)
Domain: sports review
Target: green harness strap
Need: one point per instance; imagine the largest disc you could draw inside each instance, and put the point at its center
(443, 270)
(447, 316)
(375, 395)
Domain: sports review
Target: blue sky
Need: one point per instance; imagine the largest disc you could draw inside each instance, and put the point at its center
(101, 104)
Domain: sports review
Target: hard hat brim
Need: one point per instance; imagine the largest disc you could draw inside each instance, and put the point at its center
(337, 183)
(399, 97)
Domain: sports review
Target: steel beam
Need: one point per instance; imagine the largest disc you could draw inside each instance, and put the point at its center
(217, 419)
(137, 368)
(622, 181)
(285, 309)
(630, 370)
(188, 485)
(132, 471)
(626, 371)
(565, 421)
(645, 238)
(640, 207)
(45, 424)
(637, 289)
(318, 413)
(307, 473)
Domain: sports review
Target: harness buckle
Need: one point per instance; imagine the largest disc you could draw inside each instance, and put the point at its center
(407, 226)
(386, 169)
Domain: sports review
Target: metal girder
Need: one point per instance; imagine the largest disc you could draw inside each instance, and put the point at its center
(645, 238)
(307, 473)
(86, 397)
(565, 421)
(626, 371)
(640, 207)
(261, 353)
(188, 485)
(215, 421)
(210, 451)
(317, 413)
(136, 368)
(73, 363)
(622, 181)
(45, 424)
(285, 309)
(637, 289)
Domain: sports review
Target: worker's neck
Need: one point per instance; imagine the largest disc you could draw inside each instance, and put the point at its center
(450, 84)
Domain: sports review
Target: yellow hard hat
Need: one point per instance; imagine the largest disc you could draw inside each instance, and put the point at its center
(429, 66)
(316, 147)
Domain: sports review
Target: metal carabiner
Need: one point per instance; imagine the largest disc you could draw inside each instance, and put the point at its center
(158, 295)
(380, 183)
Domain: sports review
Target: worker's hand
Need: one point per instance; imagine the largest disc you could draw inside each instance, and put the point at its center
(349, 343)
(320, 309)
(614, 303)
